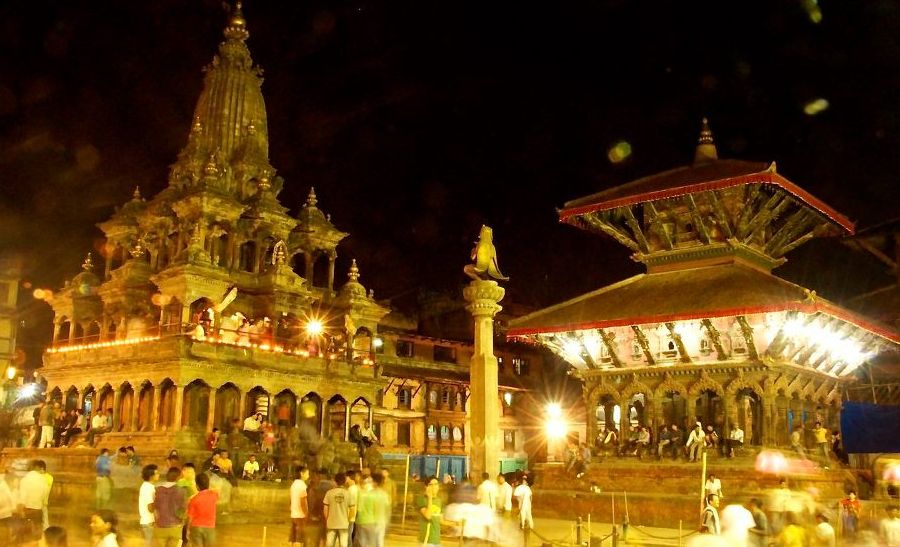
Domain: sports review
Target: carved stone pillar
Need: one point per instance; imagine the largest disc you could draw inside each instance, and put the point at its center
(347, 422)
(55, 332)
(308, 265)
(117, 401)
(211, 411)
(331, 258)
(156, 402)
(135, 411)
(107, 268)
(242, 408)
(483, 297)
(179, 406)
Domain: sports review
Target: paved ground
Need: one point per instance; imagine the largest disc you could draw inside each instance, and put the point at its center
(559, 532)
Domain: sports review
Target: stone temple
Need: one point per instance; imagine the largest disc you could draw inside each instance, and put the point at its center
(709, 333)
(212, 302)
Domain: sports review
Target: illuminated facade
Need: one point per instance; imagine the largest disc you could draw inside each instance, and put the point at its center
(211, 302)
(708, 333)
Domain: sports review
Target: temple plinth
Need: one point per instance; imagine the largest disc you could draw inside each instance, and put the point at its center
(483, 297)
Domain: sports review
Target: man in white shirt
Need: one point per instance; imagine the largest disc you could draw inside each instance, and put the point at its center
(696, 441)
(146, 497)
(251, 468)
(504, 495)
(252, 425)
(823, 533)
(34, 491)
(353, 496)
(522, 493)
(735, 439)
(714, 485)
(890, 527)
(299, 507)
(487, 492)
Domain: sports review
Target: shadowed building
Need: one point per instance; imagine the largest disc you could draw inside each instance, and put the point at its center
(708, 333)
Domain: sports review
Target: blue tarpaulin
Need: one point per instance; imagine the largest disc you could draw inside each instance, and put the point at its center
(867, 428)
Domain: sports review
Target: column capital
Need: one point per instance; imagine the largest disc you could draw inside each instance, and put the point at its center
(483, 297)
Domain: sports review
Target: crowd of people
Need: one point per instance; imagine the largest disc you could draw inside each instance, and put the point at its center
(791, 518)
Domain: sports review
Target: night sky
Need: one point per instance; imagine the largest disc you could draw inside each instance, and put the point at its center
(417, 121)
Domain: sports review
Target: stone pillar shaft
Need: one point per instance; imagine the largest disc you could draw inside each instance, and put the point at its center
(331, 259)
(211, 415)
(179, 405)
(483, 297)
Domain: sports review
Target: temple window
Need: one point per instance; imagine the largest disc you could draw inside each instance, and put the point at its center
(445, 433)
(404, 398)
(432, 432)
(705, 346)
(636, 350)
(457, 434)
(509, 439)
(248, 256)
(433, 397)
(403, 430)
(445, 397)
(445, 354)
(520, 366)
(405, 348)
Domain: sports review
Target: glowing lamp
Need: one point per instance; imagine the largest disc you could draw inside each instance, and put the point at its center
(771, 462)
(11, 373)
(377, 342)
(314, 327)
(556, 428)
(554, 410)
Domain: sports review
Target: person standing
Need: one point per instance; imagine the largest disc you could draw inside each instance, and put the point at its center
(7, 508)
(487, 492)
(103, 468)
(889, 527)
(504, 495)
(47, 421)
(353, 492)
(821, 436)
(169, 505)
(338, 513)
(299, 507)
(714, 485)
(33, 494)
(187, 482)
(797, 441)
(201, 514)
(823, 534)
(105, 529)
(709, 523)
(315, 524)
(390, 487)
(45, 510)
(373, 513)
(759, 534)
(850, 510)
(429, 505)
(522, 493)
(146, 498)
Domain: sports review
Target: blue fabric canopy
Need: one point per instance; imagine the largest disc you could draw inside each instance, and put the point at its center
(867, 428)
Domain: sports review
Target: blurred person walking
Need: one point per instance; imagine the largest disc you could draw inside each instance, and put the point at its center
(169, 505)
(104, 529)
(34, 491)
(504, 495)
(104, 486)
(759, 534)
(299, 507)
(850, 510)
(54, 536)
(889, 527)
(709, 522)
(201, 514)
(373, 512)
(146, 497)
(823, 533)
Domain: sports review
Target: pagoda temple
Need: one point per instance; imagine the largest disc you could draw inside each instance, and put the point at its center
(210, 302)
(708, 333)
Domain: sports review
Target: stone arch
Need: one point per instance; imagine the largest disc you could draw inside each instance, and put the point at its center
(228, 400)
(285, 404)
(258, 401)
(634, 387)
(71, 399)
(705, 383)
(56, 395)
(602, 388)
(311, 411)
(359, 411)
(669, 384)
(63, 329)
(145, 406)
(126, 407)
(166, 394)
(105, 398)
(92, 334)
(742, 382)
(196, 405)
(88, 400)
(337, 418)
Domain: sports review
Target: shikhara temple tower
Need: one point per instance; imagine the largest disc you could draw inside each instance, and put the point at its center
(199, 309)
(708, 332)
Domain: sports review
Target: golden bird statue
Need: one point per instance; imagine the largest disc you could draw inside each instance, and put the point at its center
(485, 257)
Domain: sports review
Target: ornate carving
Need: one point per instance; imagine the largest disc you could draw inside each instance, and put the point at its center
(609, 340)
(601, 387)
(682, 351)
(716, 339)
(742, 382)
(485, 256)
(704, 383)
(668, 384)
(634, 387)
(644, 343)
(747, 332)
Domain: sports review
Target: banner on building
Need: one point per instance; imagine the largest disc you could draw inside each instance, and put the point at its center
(868, 428)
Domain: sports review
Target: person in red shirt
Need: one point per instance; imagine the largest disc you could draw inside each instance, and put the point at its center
(201, 513)
(212, 440)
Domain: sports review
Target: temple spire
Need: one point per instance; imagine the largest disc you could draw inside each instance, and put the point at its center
(311, 199)
(88, 264)
(706, 147)
(354, 272)
(237, 25)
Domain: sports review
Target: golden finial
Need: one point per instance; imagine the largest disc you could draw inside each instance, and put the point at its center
(279, 253)
(237, 25)
(311, 198)
(197, 126)
(138, 250)
(136, 195)
(263, 183)
(354, 272)
(251, 128)
(88, 263)
(706, 146)
(212, 167)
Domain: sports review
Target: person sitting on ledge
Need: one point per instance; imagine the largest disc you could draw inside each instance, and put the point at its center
(251, 469)
(252, 425)
(735, 440)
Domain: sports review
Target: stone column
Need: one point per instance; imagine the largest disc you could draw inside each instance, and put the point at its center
(347, 422)
(308, 267)
(135, 409)
(117, 401)
(211, 416)
(331, 258)
(242, 408)
(179, 406)
(155, 407)
(371, 417)
(484, 421)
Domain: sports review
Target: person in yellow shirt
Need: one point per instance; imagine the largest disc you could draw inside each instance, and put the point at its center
(792, 535)
(821, 436)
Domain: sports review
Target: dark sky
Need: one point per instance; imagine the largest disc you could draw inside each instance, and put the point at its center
(418, 120)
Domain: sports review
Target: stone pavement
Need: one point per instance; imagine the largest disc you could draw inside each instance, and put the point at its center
(556, 531)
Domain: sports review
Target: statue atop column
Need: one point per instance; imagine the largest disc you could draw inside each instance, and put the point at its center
(485, 257)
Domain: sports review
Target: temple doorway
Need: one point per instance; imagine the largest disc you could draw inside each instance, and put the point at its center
(311, 411)
(709, 409)
(126, 407)
(145, 407)
(674, 409)
(228, 400)
(167, 394)
(196, 405)
(749, 415)
(608, 414)
(337, 418)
